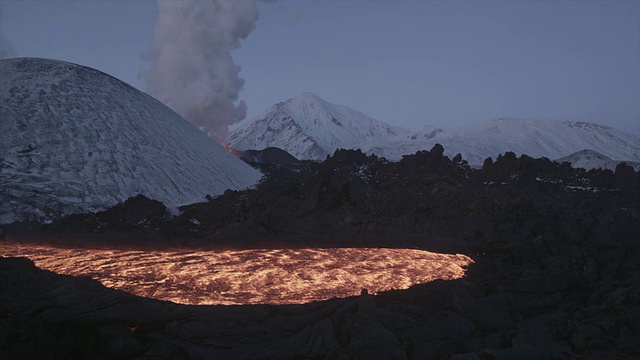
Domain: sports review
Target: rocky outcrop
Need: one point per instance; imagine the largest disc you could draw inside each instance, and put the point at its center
(351, 193)
(270, 155)
(525, 297)
(625, 178)
(556, 274)
(137, 213)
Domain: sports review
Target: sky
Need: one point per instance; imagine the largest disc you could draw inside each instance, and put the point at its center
(407, 63)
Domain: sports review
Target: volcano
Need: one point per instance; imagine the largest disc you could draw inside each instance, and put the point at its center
(308, 127)
(74, 139)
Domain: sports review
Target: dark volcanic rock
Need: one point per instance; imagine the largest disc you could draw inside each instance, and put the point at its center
(136, 213)
(508, 306)
(556, 273)
(351, 193)
(270, 155)
(625, 178)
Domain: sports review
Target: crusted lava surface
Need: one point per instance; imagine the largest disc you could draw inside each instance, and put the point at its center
(556, 269)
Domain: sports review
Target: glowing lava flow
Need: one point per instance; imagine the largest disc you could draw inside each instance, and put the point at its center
(229, 277)
(235, 152)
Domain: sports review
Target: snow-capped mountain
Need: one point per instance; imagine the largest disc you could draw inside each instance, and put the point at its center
(589, 159)
(309, 128)
(539, 138)
(75, 139)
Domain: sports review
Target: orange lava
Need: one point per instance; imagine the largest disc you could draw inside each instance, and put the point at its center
(231, 277)
(235, 152)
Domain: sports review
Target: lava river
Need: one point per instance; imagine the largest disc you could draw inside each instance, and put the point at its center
(230, 277)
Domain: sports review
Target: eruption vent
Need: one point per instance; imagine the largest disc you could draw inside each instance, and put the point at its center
(193, 72)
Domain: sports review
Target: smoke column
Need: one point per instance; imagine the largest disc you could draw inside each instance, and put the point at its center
(193, 72)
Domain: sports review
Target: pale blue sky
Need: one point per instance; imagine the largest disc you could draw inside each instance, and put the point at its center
(408, 63)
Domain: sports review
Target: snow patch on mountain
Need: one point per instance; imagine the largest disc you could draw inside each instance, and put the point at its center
(73, 139)
(540, 138)
(310, 128)
(280, 128)
(589, 159)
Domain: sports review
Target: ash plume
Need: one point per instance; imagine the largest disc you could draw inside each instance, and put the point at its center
(193, 71)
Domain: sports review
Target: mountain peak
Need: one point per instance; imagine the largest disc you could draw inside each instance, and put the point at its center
(319, 127)
(305, 99)
(74, 139)
(307, 122)
(307, 96)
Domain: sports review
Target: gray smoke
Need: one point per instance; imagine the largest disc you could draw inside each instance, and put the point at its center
(193, 72)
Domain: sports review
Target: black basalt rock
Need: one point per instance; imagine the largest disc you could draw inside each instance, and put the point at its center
(487, 163)
(625, 178)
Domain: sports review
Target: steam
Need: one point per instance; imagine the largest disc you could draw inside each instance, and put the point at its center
(193, 72)
(6, 49)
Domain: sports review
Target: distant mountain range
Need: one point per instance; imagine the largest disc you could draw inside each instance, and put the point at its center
(74, 139)
(310, 128)
(589, 159)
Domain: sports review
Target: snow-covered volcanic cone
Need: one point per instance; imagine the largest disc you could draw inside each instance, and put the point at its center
(74, 139)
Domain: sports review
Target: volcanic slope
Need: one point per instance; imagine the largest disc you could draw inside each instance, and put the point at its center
(310, 128)
(74, 139)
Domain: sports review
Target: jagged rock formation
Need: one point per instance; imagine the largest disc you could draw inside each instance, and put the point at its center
(535, 292)
(351, 193)
(270, 155)
(555, 276)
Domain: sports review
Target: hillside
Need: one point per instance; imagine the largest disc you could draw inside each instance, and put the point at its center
(74, 139)
(308, 127)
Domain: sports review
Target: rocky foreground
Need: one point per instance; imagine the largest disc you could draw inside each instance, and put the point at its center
(556, 273)
(571, 303)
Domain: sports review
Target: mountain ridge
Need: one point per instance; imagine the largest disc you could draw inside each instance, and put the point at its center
(589, 159)
(310, 128)
(325, 127)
